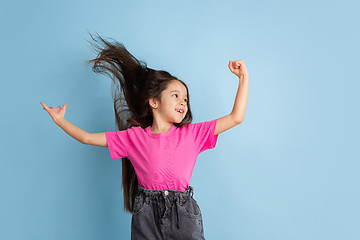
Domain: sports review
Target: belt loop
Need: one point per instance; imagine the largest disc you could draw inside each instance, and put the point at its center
(191, 191)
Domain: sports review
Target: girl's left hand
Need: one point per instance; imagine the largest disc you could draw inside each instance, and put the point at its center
(238, 68)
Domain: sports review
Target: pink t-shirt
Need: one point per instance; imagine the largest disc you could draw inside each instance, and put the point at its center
(163, 160)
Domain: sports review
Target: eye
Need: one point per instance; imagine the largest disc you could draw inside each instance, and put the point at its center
(184, 98)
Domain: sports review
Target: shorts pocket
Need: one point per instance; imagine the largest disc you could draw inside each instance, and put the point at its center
(139, 204)
(191, 208)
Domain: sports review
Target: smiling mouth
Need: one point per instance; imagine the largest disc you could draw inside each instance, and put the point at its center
(179, 111)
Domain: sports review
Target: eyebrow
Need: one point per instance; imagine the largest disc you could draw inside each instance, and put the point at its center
(177, 91)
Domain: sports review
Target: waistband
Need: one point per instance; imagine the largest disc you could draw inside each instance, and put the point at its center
(189, 191)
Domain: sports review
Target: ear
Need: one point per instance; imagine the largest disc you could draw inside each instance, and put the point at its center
(153, 103)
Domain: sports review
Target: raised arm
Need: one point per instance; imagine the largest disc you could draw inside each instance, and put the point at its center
(238, 112)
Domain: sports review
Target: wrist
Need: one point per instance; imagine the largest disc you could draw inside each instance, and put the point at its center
(58, 120)
(244, 77)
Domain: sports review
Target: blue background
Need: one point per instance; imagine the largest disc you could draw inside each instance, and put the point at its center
(290, 171)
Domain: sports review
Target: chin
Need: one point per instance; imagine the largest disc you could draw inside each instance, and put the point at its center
(178, 121)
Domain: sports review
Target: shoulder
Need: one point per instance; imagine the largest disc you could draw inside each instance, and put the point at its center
(130, 130)
(137, 131)
(199, 126)
(203, 124)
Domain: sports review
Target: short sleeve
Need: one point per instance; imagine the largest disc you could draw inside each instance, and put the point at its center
(118, 143)
(204, 135)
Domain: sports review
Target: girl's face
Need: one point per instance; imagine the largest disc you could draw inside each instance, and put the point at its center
(173, 106)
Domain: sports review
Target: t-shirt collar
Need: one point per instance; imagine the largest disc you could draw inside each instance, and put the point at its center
(148, 131)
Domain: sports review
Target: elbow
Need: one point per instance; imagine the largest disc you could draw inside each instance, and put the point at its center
(238, 121)
(86, 139)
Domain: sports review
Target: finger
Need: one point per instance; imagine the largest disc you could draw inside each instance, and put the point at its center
(44, 106)
(65, 105)
(238, 64)
(235, 65)
(231, 65)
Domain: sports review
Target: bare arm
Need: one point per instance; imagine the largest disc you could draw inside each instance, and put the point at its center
(238, 113)
(72, 130)
(239, 109)
(240, 104)
(97, 139)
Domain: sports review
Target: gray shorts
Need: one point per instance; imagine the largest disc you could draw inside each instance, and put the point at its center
(167, 214)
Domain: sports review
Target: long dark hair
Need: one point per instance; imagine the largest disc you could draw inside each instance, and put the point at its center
(135, 84)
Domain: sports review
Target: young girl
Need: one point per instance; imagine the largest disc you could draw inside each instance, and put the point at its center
(157, 141)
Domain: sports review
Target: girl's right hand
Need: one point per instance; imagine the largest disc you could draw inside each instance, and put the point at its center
(55, 113)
